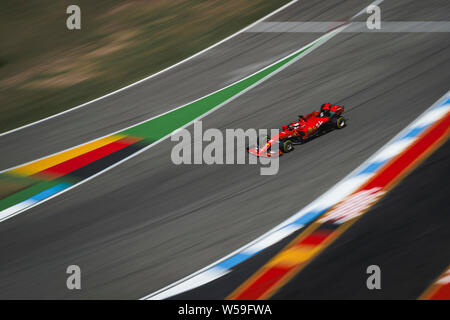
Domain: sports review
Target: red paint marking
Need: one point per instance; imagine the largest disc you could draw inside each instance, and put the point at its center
(315, 238)
(440, 289)
(401, 163)
(442, 293)
(84, 159)
(265, 280)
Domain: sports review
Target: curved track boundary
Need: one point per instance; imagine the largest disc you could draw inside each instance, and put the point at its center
(58, 173)
(440, 289)
(342, 189)
(152, 75)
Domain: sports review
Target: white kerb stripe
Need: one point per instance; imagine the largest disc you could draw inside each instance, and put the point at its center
(394, 149)
(432, 116)
(271, 239)
(194, 282)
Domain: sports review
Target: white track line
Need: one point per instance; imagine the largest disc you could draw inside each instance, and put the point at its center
(153, 75)
(316, 44)
(338, 192)
(355, 27)
(375, 3)
(330, 34)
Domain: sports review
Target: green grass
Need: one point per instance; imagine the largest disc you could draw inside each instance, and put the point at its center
(45, 68)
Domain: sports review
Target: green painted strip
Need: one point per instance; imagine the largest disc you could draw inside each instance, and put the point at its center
(10, 184)
(157, 128)
(160, 127)
(26, 193)
(29, 192)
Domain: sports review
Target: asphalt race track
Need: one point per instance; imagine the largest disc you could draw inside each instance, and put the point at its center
(405, 234)
(148, 222)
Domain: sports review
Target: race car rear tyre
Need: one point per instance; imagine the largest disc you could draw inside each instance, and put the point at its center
(287, 146)
(340, 122)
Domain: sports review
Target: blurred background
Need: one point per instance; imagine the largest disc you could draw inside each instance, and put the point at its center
(148, 222)
(46, 68)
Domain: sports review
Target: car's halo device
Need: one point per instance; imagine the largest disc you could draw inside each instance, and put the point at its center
(306, 128)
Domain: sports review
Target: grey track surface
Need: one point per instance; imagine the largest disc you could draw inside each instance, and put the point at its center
(405, 234)
(213, 70)
(147, 222)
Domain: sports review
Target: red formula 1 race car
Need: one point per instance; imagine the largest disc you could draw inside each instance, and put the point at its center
(306, 128)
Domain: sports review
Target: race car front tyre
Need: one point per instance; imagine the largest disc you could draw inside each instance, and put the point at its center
(340, 122)
(287, 146)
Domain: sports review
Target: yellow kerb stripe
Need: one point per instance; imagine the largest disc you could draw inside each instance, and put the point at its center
(39, 165)
(294, 255)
